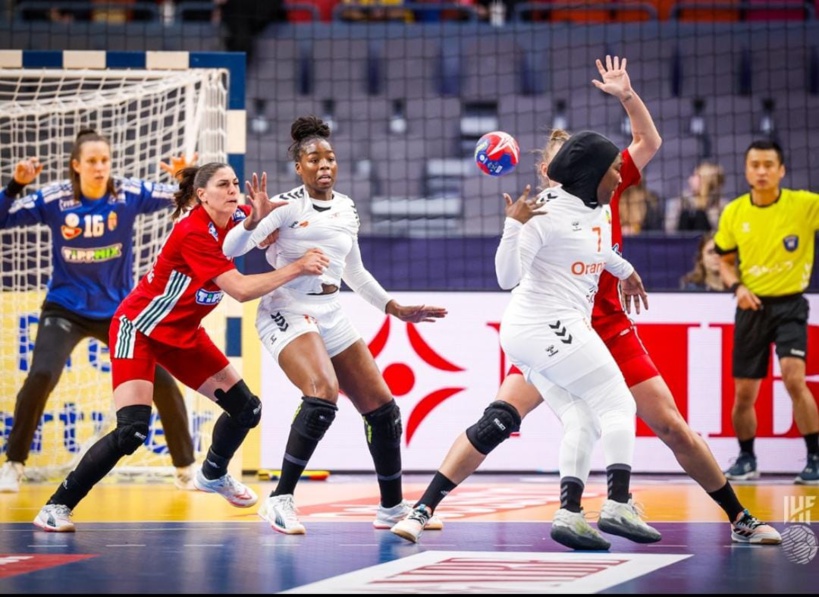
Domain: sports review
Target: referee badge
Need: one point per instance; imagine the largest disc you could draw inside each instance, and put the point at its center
(791, 243)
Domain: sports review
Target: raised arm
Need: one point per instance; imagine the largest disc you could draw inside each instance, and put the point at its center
(646, 139)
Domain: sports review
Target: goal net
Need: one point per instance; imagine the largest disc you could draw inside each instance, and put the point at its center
(149, 116)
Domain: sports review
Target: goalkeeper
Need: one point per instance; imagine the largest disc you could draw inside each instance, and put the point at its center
(91, 217)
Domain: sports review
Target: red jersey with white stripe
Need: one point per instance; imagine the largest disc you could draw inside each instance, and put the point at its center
(178, 292)
(608, 316)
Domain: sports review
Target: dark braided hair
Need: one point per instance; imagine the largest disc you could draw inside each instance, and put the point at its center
(83, 137)
(190, 179)
(305, 129)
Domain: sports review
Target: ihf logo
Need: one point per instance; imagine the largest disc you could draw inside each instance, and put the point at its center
(798, 540)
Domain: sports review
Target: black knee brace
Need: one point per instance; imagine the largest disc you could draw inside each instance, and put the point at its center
(314, 417)
(384, 424)
(133, 423)
(240, 403)
(499, 421)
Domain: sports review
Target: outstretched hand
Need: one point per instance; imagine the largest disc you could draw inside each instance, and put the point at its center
(27, 170)
(523, 209)
(178, 163)
(415, 313)
(615, 81)
(633, 292)
(260, 202)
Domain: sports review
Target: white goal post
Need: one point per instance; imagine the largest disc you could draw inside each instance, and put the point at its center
(152, 106)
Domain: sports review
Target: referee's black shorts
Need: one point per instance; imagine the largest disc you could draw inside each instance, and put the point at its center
(783, 320)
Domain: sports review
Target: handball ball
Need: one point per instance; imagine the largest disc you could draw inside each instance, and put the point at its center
(497, 153)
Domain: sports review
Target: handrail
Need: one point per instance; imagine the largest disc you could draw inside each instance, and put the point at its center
(741, 8)
(529, 7)
(469, 11)
(80, 7)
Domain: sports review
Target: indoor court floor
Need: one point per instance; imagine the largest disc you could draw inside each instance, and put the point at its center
(152, 538)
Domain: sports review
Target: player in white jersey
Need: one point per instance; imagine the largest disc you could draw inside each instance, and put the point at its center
(313, 340)
(546, 329)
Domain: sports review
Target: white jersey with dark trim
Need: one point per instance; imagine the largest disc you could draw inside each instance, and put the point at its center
(563, 253)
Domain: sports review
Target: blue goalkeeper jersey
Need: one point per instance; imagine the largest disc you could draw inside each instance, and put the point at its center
(91, 239)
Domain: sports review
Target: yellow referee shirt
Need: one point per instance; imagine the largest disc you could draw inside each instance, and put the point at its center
(775, 244)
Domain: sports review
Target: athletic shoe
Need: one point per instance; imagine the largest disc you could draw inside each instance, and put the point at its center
(743, 469)
(748, 529)
(810, 474)
(413, 524)
(572, 530)
(386, 518)
(280, 512)
(625, 520)
(55, 518)
(11, 473)
(183, 478)
(235, 492)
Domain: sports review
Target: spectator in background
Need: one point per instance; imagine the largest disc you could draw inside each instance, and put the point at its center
(705, 275)
(766, 241)
(382, 10)
(699, 207)
(640, 210)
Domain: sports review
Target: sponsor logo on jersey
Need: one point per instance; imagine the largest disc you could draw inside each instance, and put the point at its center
(298, 224)
(112, 221)
(581, 269)
(92, 255)
(239, 215)
(70, 233)
(791, 243)
(207, 297)
(575, 226)
(66, 204)
(213, 231)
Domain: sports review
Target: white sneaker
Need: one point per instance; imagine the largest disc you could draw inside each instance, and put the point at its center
(386, 518)
(11, 474)
(572, 530)
(280, 512)
(55, 518)
(235, 492)
(183, 478)
(411, 527)
(625, 520)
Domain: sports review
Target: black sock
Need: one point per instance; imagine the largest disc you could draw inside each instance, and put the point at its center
(618, 477)
(727, 500)
(571, 494)
(384, 444)
(438, 489)
(97, 462)
(296, 456)
(227, 437)
(747, 446)
(812, 442)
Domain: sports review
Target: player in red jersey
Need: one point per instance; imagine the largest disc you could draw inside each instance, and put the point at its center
(159, 322)
(655, 403)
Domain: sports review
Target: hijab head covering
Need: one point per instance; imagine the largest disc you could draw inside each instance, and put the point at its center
(581, 164)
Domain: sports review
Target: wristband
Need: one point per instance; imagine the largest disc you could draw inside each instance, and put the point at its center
(733, 287)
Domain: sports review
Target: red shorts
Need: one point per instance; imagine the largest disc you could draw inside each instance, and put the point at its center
(141, 354)
(629, 354)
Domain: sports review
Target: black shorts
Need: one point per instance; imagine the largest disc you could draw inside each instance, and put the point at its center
(782, 321)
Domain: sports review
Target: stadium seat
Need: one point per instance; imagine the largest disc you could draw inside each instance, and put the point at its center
(707, 11)
(778, 10)
(306, 11)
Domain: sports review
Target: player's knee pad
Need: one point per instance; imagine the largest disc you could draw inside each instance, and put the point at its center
(133, 423)
(384, 424)
(241, 404)
(314, 417)
(499, 421)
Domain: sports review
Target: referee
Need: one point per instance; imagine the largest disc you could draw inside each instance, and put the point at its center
(765, 240)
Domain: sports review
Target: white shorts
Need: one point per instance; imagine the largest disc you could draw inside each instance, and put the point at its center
(285, 315)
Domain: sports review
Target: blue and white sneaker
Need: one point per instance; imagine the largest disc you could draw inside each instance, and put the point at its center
(810, 474)
(280, 512)
(235, 492)
(55, 518)
(743, 469)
